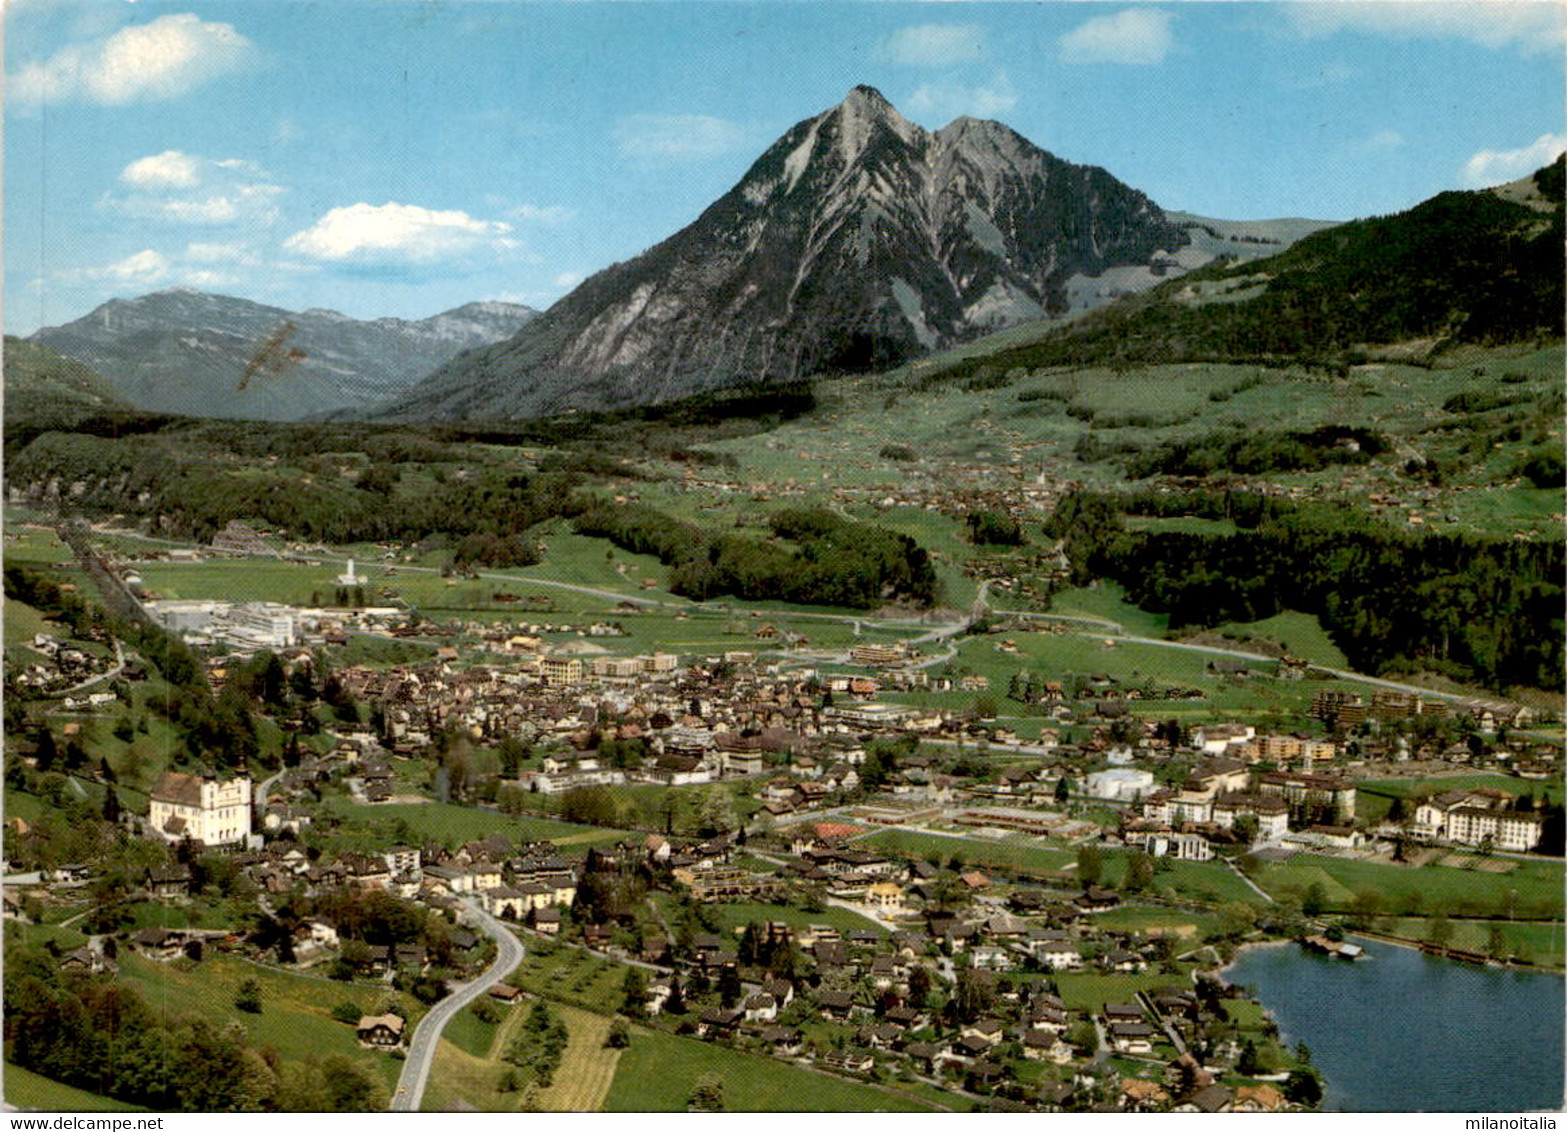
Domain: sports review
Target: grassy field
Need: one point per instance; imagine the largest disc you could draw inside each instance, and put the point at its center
(571, 975)
(1209, 882)
(296, 1017)
(1550, 790)
(1543, 943)
(1142, 918)
(468, 1072)
(733, 916)
(657, 1072)
(470, 1034)
(23, 623)
(1091, 992)
(1301, 634)
(1245, 1013)
(1011, 854)
(27, 1091)
(1531, 891)
(460, 1081)
(587, 1068)
(445, 823)
(1062, 656)
(35, 544)
(1106, 601)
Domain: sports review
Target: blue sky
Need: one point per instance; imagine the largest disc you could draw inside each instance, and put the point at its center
(404, 158)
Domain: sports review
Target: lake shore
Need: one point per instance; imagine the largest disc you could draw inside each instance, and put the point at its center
(1512, 1038)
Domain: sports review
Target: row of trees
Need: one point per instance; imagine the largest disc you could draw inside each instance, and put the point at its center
(833, 561)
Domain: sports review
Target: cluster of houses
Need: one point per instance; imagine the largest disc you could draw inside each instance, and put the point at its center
(61, 667)
(863, 993)
(1346, 709)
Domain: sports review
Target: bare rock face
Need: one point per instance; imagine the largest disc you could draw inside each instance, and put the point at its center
(189, 352)
(858, 240)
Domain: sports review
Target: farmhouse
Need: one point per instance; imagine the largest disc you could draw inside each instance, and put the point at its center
(380, 1031)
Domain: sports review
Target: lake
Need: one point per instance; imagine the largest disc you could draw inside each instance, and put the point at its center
(1399, 1031)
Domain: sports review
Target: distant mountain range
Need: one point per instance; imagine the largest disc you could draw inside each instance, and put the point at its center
(857, 241)
(189, 352)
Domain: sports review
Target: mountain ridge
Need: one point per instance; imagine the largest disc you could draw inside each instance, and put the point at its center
(193, 352)
(857, 240)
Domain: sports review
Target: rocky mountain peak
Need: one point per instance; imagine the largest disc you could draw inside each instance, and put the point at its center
(857, 240)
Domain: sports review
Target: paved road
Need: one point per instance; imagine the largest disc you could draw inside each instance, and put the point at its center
(421, 1048)
(263, 787)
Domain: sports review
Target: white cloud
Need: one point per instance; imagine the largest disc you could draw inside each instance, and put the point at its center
(1136, 35)
(568, 279)
(146, 265)
(677, 137)
(943, 101)
(163, 59)
(170, 169)
(550, 214)
(1495, 167)
(934, 45)
(200, 265)
(186, 189)
(397, 233)
(1529, 25)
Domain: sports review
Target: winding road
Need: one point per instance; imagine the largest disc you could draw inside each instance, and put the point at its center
(427, 1035)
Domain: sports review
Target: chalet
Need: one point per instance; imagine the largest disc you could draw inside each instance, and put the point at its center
(1120, 959)
(1044, 1045)
(85, 959)
(1209, 1099)
(835, 1004)
(761, 1007)
(879, 1036)
(785, 1040)
(169, 883)
(850, 1061)
(717, 1020)
(1096, 899)
(781, 990)
(1132, 1037)
(905, 1016)
(992, 957)
(380, 1031)
(988, 1030)
(159, 943)
(984, 1073)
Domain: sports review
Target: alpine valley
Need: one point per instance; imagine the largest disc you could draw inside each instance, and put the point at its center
(894, 645)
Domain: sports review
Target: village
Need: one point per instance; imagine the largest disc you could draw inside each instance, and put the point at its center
(808, 855)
